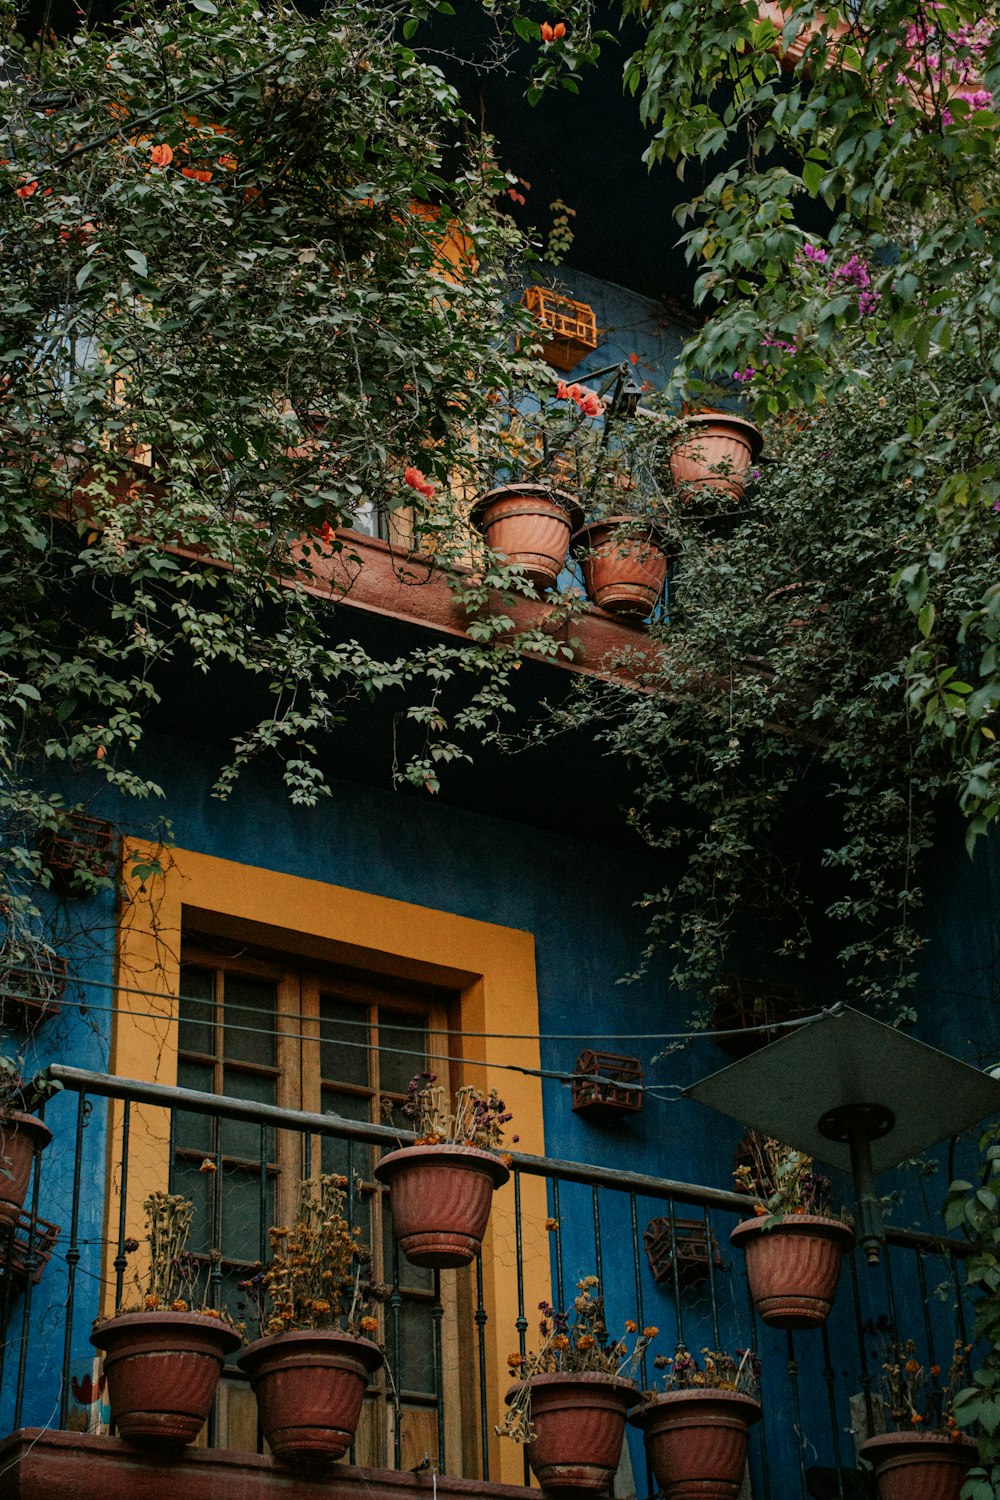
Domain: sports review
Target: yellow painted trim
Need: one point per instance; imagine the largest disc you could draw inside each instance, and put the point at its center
(491, 967)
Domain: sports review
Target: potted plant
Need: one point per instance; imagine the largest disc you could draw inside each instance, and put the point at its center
(711, 457)
(624, 558)
(164, 1358)
(794, 1245)
(571, 1399)
(315, 1306)
(22, 1134)
(441, 1187)
(696, 1427)
(925, 1456)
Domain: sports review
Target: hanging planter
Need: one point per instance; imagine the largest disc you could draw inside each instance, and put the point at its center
(529, 525)
(441, 1198)
(920, 1465)
(32, 980)
(578, 1421)
(712, 460)
(696, 1441)
(624, 561)
(310, 1385)
(22, 1137)
(163, 1369)
(793, 1266)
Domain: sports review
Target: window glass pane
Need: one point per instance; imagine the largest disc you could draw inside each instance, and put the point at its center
(191, 1130)
(192, 1183)
(411, 1278)
(335, 1151)
(402, 1049)
(241, 1210)
(416, 1338)
(344, 1042)
(241, 1137)
(195, 1031)
(249, 1015)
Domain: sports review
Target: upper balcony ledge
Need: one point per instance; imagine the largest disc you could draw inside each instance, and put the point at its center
(37, 1464)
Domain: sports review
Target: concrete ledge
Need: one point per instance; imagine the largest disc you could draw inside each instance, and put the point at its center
(36, 1464)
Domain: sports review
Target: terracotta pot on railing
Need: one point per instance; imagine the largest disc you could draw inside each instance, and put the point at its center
(715, 457)
(793, 1266)
(920, 1465)
(579, 1426)
(624, 563)
(310, 1386)
(163, 1369)
(22, 1136)
(696, 1442)
(441, 1198)
(530, 525)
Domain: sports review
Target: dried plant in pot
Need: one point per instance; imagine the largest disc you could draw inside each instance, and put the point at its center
(163, 1359)
(441, 1187)
(794, 1246)
(22, 1134)
(315, 1305)
(570, 1403)
(696, 1427)
(925, 1456)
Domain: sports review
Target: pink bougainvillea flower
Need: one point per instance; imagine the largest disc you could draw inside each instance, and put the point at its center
(161, 155)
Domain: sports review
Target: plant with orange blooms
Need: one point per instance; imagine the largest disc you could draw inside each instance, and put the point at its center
(919, 1397)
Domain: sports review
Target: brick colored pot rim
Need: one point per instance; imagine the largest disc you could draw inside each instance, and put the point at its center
(643, 528)
(561, 499)
(816, 1225)
(725, 419)
(121, 1324)
(20, 1120)
(616, 1385)
(883, 1444)
(444, 1155)
(296, 1340)
(749, 1409)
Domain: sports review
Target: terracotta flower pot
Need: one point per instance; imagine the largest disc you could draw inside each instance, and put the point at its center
(162, 1370)
(624, 564)
(310, 1387)
(530, 524)
(441, 1198)
(579, 1425)
(793, 1266)
(697, 1442)
(715, 457)
(920, 1465)
(22, 1136)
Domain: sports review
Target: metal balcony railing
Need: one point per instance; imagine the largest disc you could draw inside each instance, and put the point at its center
(556, 1221)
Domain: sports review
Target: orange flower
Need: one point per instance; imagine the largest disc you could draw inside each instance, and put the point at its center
(196, 174)
(558, 31)
(161, 155)
(228, 163)
(26, 189)
(369, 1324)
(416, 480)
(547, 32)
(631, 1326)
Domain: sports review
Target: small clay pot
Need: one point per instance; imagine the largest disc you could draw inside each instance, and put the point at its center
(714, 456)
(162, 1370)
(310, 1386)
(624, 563)
(579, 1425)
(793, 1266)
(441, 1198)
(697, 1442)
(530, 525)
(920, 1465)
(22, 1136)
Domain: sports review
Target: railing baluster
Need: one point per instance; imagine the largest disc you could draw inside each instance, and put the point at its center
(866, 1379)
(395, 1308)
(829, 1377)
(712, 1298)
(598, 1257)
(437, 1313)
(792, 1366)
(120, 1259)
(633, 1208)
(481, 1320)
(72, 1260)
(522, 1322)
(676, 1269)
(959, 1299)
(559, 1299)
(760, 1428)
(22, 1364)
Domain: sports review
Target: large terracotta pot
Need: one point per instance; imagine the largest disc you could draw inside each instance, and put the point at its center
(920, 1465)
(579, 1425)
(310, 1387)
(530, 524)
(624, 563)
(715, 457)
(793, 1266)
(441, 1198)
(162, 1370)
(697, 1442)
(22, 1136)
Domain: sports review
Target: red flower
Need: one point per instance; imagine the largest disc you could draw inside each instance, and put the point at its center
(558, 31)
(26, 189)
(196, 174)
(326, 533)
(161, 155)
(416, 480)
(633, 359)
(547, 32)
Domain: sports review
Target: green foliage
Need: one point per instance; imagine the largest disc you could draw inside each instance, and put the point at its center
(971, 1209)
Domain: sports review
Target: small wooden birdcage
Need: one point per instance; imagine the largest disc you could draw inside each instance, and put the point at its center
(27, 1256)
(31, 986)
(743, 1010)
(607, 1083)
(79, 851)
(572, 325)
(687, 1244)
